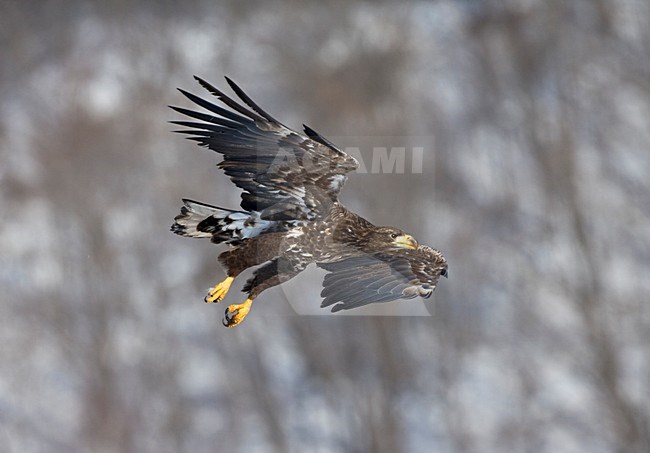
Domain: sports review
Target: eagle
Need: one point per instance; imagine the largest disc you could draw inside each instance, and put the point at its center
(290, 215)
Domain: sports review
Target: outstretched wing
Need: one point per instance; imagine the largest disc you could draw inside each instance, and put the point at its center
(285, 175)
(382, 277)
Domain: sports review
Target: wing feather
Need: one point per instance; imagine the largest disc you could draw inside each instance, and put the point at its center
(285, 175)
(249, 102)
(381, 277)
(226, 100)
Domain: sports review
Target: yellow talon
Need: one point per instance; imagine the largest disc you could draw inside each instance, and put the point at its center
(236, 313)
(219, 291)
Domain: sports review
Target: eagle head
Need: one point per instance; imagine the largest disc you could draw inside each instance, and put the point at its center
(393, 237)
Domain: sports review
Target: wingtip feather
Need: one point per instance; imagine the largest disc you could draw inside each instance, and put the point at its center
(211, 88)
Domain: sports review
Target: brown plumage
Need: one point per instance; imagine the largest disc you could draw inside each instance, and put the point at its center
(290, 215)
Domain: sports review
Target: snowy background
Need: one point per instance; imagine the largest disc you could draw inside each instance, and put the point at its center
(534, 117)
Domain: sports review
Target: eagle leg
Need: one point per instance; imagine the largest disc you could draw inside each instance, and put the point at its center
(274, 273)
(236, 313)
(251, 252)
(219, 291)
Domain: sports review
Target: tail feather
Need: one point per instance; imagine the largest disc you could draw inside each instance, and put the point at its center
(200, 220)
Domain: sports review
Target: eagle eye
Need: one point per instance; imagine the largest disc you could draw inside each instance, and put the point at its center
(444, 273)
(394, 235)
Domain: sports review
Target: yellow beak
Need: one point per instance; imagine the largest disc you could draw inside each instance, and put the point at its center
(407, 241)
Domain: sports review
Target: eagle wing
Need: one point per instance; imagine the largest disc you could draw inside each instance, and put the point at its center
(382, 277)
(285, 175)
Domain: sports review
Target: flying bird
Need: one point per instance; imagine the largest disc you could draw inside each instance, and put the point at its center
(290, 215)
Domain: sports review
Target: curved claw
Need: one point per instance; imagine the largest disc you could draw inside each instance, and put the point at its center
(219, 291)
(236, 313)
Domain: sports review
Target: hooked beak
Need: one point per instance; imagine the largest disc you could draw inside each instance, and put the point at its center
(407, 241)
